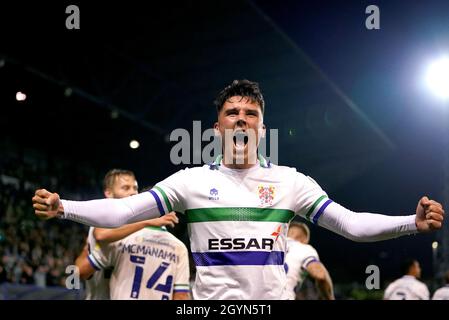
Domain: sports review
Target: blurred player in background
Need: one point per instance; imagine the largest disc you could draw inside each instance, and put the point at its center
(443, 292)
(302, 260)
(150, 264)
(117, 184)
(408, 287)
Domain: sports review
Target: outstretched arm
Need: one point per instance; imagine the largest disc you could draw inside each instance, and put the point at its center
(105, 213)
(103, 235)
(366, 227)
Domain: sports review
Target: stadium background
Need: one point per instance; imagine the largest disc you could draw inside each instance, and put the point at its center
(347, 101)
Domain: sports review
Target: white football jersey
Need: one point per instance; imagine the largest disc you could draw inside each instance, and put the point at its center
(150, 264)
(441, 293)
(97, 287)
(407, 288)
(238, 221)
(297, 258)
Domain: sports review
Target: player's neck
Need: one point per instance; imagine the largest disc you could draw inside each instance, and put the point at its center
(239, 166)
(232, 163)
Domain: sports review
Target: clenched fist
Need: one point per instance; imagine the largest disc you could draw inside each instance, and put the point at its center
(429, 215)
(46, 204)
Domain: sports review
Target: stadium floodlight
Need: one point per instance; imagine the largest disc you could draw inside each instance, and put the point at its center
(134, 144)
(434, 245)
(437, 77)
(20, 96)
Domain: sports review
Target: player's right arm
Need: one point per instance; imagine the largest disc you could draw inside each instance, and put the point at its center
(168, 195)
(106, 213)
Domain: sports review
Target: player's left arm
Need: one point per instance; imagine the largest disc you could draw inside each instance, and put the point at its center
(313, 204)
(429, 215)
(84, 267)
(99, 258)
(181, 290)
(181, 296)
(363, 226)
(323, 281)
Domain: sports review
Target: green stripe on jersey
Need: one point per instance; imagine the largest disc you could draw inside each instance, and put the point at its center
(239, 214)
(314, 206)
(164, 195)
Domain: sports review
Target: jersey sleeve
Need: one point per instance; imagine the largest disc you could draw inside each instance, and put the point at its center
(166, 196)
(101, 256)
(170, 194)
(309, 255)
(313, 204)
(182, 276)
(310, 199)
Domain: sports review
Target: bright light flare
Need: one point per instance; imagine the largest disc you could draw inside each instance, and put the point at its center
(134, 144)
(20, 96)
(437, 77)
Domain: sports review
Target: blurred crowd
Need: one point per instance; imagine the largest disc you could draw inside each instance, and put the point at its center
(33, 251)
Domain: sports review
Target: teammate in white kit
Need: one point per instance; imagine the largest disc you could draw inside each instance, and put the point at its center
(302, 260)
(443, 292)
(239, 207)
(408, 287)
(150, 264)
(117, 184)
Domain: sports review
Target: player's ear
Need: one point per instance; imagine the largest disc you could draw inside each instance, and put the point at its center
(108, 193)
(217, 129)
(264, 131)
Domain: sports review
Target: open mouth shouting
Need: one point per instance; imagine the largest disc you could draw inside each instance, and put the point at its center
(240, 139)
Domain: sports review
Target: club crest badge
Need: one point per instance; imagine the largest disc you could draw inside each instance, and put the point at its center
(266, 195)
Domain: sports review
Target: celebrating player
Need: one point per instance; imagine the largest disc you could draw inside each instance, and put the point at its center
(238, 207)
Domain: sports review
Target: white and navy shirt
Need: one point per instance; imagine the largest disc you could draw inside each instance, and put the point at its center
(298, 257)
(407, 288)
(150, 264)
(238, 221)
(441, 293)
(97, 287)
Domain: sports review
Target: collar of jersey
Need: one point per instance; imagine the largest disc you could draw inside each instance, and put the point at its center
(217, 163)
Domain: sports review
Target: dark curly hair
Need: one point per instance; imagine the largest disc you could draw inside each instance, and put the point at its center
(243, 88)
